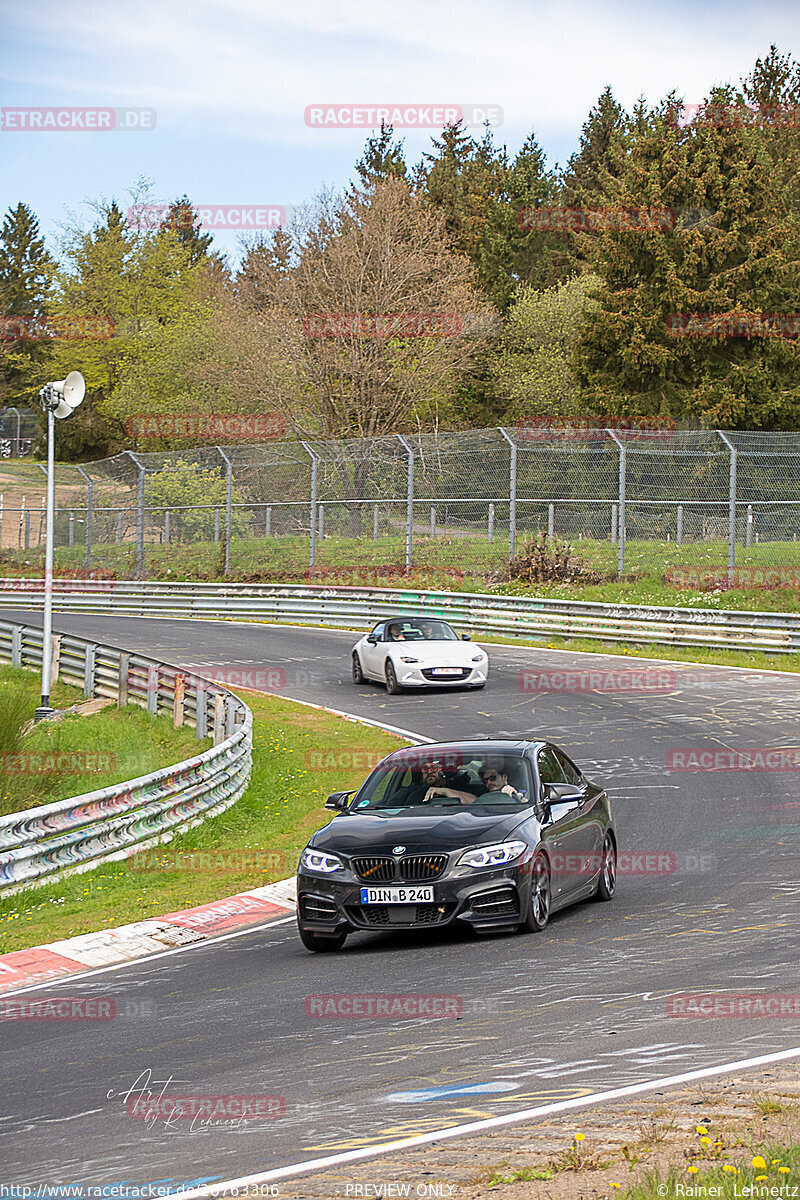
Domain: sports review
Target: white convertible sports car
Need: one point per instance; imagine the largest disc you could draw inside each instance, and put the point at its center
(406, 652)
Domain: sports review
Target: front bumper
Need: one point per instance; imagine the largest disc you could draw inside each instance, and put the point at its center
(485, 899)
(411, 675)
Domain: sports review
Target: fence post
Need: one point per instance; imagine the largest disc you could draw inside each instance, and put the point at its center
(166, 527)
(679, 526)
(321, 521)
(71, 534)
(228, 497)
(139, 515)
(731, 507)
(268, 521)
(613, 524)
(621, 527)
(374, 522)
(433, 520)
(89, 506)
(749, 525)
(551, 520)
(490, 529)
(312, 523)
(119, 527)
(512, 497)
(409, 502)
(216, 526)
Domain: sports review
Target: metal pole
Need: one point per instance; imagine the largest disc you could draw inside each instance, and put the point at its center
(409, 503)
(374, 522)
(731, 507)
(679, 526)
(47, 622)
(166, 527)
(490, 530)
(89, 505)
(749, 525)
(551, 520)
(228, 498)
(321, 521)
(268, 521)
(216, 526)
(613, 524)
(139, 515)
(71, 534)
(512, 496)
(621, 527)
(433, 520)
(312, 537)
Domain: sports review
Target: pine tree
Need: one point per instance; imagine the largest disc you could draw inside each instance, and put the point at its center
(181, 220)
(382, 159)
(26, 279)
(592, 175)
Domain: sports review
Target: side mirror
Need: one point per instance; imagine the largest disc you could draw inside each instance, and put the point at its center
(373, 641)
(339, 800)
(561, 793)
(465, 637)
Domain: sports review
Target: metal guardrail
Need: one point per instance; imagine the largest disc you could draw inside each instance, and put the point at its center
(83, 831)
(507, 616)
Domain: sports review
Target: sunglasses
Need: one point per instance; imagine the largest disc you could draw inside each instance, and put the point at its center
(493, 777)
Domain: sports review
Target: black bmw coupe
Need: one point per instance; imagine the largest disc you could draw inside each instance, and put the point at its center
(493, 834)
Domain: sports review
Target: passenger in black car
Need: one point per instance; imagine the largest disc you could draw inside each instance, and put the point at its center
(494, 776)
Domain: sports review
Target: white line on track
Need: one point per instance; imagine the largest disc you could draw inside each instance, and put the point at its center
(437, 1135)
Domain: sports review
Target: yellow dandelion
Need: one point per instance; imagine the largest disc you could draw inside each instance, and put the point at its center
(731, 1170)
(579, 1137)
(705, 1141)
(701, 1129)
(616, 1185)
(760, 1178)
(693, 1170)
(783, 1170)
(758, 1163)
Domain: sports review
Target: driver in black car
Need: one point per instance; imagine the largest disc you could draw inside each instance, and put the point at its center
(436, 775)
(493, 774)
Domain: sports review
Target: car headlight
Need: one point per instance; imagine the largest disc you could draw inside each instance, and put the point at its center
(404, 658)
(479, 658)
(492, 856)
(315, 860)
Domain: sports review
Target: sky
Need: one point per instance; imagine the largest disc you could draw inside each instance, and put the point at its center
(228, 85)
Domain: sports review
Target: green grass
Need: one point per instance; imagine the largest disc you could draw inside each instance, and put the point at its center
(139, 744)
(731, 1184)
(257, 840)
(456, 564)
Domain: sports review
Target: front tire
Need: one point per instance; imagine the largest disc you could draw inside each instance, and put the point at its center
(539, 907)
(607, 884)
(358, 674)
(321, 944)
(392, 686)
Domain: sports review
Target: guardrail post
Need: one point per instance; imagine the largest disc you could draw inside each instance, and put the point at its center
(88, 669)
(16, 646)
(230, 716)
(731, 507)
(219, 719)
(139, 515)
(122, 685)
(512, 497)
(55, 659)
(152, 689)
(228, 498)
(679, 526)
(178, 701)
(621, 527)
(200, 714)
(409, 502)
(312, 538)
(89, 507)
(490, 525)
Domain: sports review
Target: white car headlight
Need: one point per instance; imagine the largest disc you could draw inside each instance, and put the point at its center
(479, 658)
(405, 658)
(315, 860)
(492, 856)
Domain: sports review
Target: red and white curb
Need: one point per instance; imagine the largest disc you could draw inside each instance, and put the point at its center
(143, 938)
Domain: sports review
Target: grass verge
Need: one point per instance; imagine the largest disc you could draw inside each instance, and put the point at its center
(71, 756)
(300, 755)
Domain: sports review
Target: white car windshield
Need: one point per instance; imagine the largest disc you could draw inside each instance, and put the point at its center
(421, 630)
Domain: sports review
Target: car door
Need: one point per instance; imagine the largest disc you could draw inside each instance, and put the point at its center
(562, 831)
(589, 835)
(372, 663)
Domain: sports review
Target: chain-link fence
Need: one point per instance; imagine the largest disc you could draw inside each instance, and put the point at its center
(18, 432)
(701, 503)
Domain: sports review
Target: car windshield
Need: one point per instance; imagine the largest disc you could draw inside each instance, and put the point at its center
(421, 630)
(419, 780)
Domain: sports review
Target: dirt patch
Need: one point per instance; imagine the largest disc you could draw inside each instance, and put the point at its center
(623, 1142)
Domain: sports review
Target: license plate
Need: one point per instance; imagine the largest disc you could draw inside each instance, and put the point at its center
(397, 895)
(447, 670)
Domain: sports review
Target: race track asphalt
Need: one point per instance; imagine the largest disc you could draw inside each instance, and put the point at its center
(581, 1008)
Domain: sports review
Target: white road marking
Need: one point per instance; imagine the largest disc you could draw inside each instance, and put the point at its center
(526, 1114)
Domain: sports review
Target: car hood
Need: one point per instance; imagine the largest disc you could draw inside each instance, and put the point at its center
(379, 834)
